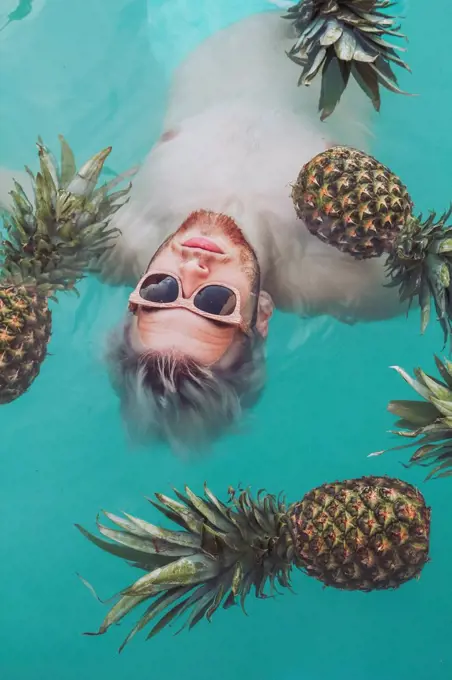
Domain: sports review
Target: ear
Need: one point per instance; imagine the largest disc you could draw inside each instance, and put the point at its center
(265, 310)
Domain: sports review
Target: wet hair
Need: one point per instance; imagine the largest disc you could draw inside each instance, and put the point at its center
(172, 397)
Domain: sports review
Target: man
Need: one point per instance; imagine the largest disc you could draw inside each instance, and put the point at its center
(211, 225)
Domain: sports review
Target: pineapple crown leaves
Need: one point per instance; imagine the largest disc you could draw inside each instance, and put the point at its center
(421, 266)
(428, 423)
(222, 552)
(51, 244)
(346, 37)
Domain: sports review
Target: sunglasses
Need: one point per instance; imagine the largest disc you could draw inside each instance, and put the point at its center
(214, 301)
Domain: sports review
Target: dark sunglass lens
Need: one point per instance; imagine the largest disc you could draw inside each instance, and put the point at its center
(217, 300)
(160, 288)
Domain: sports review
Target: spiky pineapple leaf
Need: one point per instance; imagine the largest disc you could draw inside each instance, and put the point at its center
(428, 424)
(54, 241)
(445, 370)
(421, 267)
(126, 553)
(155, 608)
(347, 37)
(234, 547)
(416, 413)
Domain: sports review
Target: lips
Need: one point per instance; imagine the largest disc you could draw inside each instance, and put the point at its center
(203, 244)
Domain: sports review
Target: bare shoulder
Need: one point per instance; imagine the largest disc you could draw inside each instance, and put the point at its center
(313, 278)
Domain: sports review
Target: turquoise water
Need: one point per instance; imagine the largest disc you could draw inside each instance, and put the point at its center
(98, 71)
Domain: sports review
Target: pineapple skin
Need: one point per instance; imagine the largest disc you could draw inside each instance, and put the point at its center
(362, 534)
(351, 201)
(25, 330)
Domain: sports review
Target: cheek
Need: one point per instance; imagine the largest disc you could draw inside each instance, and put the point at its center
(244, 285)
(235, 274)
(166, 260)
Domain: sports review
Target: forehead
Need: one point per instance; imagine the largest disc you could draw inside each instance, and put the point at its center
(182, 331)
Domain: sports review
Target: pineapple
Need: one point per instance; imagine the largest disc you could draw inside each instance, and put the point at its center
(46, 249)
(353, 202)
(25, 328)
(427, 423)
(362, 534)
(345, 37)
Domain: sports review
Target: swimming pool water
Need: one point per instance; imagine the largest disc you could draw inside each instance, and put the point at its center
(98, 72)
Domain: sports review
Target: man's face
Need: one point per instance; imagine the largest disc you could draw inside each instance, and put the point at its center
(207, 248)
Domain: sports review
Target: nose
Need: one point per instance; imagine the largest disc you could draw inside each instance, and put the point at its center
(193, 273)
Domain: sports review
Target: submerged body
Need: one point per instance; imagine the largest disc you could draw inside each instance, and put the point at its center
(236, 133)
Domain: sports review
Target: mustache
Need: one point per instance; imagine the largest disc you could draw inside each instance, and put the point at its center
(228, 229)
(208, 224)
